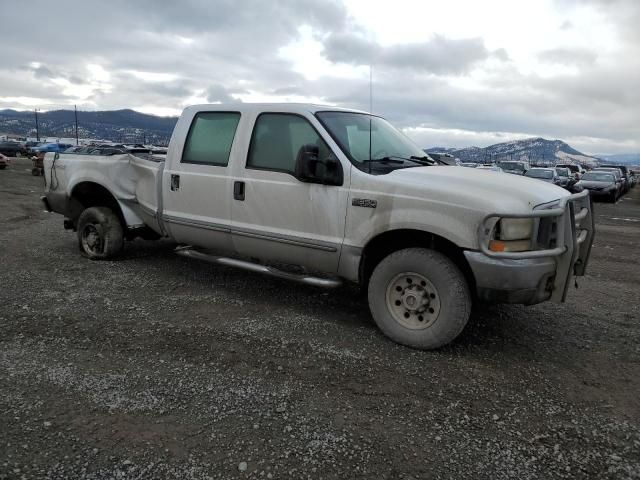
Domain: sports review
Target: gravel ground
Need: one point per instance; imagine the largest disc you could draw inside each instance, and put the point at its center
(157, 366)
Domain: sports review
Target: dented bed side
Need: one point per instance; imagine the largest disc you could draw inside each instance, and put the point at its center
(133, 182)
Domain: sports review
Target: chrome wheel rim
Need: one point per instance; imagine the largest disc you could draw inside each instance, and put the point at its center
(92, 240)
(413, 300)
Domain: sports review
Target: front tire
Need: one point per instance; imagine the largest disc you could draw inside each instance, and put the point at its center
(100, 233)
(419, 298)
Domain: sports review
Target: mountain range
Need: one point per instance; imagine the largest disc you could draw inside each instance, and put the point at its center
(129, 126)
(535, 150)
(621, 158)
(124, 126)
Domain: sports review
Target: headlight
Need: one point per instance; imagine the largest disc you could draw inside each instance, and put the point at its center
(515, 229)
(512, 235)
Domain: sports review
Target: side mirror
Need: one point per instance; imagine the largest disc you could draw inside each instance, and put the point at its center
(312, 169)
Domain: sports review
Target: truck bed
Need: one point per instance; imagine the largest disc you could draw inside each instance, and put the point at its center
(133, 180)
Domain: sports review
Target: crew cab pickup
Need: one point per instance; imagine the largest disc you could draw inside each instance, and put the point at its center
(323, 195)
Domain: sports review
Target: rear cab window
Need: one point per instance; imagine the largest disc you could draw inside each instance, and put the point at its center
(210, 138)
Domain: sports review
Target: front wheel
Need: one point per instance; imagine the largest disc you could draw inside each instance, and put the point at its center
(100, 234)
(419, 298)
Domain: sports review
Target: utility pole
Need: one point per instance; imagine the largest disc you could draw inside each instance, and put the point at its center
(75, 112)
(37, 130)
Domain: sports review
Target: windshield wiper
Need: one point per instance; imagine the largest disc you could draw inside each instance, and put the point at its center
(428, 160)
(394, 160)
(397, 160)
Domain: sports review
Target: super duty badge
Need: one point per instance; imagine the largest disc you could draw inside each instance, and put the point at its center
(364, 202)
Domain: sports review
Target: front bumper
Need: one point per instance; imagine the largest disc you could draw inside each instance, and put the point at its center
(545, 272)
(525, 281)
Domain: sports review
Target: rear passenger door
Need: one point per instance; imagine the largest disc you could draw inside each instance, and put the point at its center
(197, 188)
(274, 215)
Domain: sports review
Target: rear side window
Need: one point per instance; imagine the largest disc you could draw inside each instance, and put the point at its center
(210, 138)
(278, 137)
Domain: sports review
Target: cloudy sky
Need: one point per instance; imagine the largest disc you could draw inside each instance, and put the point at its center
(454, 73)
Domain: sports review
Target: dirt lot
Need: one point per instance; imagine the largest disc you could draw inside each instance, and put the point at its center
(157, 366)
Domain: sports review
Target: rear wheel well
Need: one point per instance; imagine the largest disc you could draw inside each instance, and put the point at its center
(91, 194)
(388, 242)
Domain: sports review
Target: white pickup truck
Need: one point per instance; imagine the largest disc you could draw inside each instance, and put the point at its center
(323, 194)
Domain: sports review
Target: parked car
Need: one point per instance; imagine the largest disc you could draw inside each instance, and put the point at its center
(30, 145)
(568, 180)
(548, 175)
(603, 185)
(51, 147)
(577, 170)
(624, 171)
(564, 174)
(4, 161)
(620, 178)
(12, 149)
(340, 195)
(514, 167)
(493, 168)
(469, 164)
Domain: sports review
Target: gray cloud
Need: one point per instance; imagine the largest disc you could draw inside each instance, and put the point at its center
(501, 54)
(43, 72)
(439, 55)
(219, 94)
(220, 50)
(566, 25)
(568, 56)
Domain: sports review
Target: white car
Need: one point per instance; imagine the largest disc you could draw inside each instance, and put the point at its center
(345, 196)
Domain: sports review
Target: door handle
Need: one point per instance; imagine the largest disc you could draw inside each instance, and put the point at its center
(175, 182)
(238, 191)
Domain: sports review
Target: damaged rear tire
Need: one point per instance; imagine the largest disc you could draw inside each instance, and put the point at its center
(100, 233)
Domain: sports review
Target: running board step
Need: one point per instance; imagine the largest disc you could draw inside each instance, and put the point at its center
(189, 252)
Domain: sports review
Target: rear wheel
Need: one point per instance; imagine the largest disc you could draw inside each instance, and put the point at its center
(100, 233)
(419, 298)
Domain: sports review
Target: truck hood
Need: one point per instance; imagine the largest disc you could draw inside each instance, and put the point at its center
(489, 191)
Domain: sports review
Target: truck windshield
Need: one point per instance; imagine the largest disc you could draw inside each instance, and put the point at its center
(365, 137)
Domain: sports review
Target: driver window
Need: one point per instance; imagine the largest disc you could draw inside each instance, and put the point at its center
(276, 140)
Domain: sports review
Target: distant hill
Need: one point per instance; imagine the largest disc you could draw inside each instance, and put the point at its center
(126, 126)
(622, 158)
(535, 150)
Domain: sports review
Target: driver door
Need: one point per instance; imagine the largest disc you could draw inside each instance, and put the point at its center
(274, 215)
